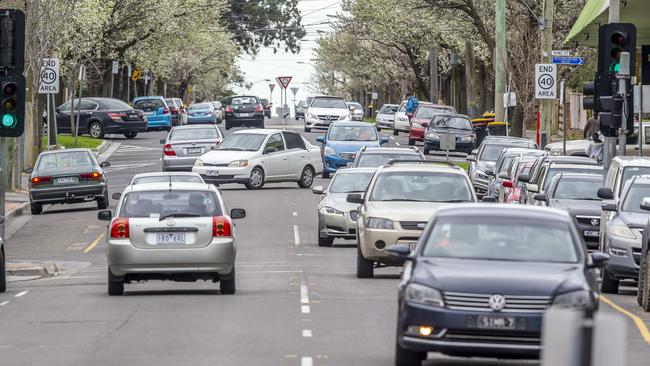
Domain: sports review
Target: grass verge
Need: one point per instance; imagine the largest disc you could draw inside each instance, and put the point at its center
(68, 141)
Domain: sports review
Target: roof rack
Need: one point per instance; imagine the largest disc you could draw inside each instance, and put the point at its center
(415, 161)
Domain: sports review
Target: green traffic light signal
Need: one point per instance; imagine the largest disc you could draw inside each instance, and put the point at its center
(8, 120)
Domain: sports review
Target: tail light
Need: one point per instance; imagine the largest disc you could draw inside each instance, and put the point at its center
(91, 176)
(221, 226)
(168, 150)
(165, 110)
(41, 180)
(174, 110)
(259, 108)
(116, 116)
(120, 228)
(229, 109)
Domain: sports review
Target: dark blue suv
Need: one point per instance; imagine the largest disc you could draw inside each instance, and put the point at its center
(482, 276)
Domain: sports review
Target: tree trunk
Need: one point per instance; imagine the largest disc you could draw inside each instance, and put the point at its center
(470, 81)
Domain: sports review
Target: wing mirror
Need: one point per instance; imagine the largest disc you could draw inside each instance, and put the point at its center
(57, 110)
(237, 213)
(28, 170)
(534, 188)
(645, 204)
(318, 190)
(424, 124)
(355, 198)
(116, 195)
(605, 193)
(104, 164)
(384, 140)
(524, 178)
(321, 139)
(104, 215)
(540, 197)
(471, 157)
(400, 251)
(598, 259)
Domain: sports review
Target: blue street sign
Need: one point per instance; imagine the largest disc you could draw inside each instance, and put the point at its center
(575, 61)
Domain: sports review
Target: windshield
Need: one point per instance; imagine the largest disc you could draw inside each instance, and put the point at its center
(352, 133)
(552, 172)
(328, 103)
(156, 204)
(495, 238)
(491, 152)
(421, 187)
(61, 160)
(167, 178)
(577, 189)
(634, 196)
(632, 171)
(452, 122)
(194, 107)
(377, 160)
(505, 164)
(242, 142)
(193, 134)
(115, 104)
(425, 112)
(388, 109)
(350, 182)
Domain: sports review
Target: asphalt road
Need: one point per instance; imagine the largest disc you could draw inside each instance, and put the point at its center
(296, 303)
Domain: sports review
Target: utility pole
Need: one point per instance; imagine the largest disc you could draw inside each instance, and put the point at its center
(546, 105)
(500, 60)
(433, 75)
(609, 145)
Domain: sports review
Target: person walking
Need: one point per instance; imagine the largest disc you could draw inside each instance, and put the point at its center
(411, 104)
(592, 126)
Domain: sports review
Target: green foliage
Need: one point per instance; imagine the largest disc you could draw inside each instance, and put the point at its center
(68, 141)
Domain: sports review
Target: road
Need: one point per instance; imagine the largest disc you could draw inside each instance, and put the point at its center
(296, 303)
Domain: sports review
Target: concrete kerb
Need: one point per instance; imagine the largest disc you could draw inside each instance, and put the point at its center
(33, 270)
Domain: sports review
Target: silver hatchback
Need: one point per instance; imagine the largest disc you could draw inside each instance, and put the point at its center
(184, 144)
(171, 231)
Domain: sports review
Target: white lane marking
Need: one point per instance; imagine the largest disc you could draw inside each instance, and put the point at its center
(306, 361)
(306, 333)
(398, 144)
(4, 303)
(295, 213)
(304, 292)
(392, 137)
(23, 293)
(296, 235)
(305, 309)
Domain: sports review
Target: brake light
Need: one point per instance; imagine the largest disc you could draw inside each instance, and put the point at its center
(221, 226)
(165, 110)
(259, 108)
(116, 116)
(41, 180)
(120, 228)
(174, 110)
(91, 176)
(168, 150)
(229, 109)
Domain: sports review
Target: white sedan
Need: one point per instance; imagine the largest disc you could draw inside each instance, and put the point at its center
(255, 157)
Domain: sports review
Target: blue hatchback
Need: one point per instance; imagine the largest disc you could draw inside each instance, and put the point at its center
(342, 142)
(482, 276)
(156, 110)
(202, 113)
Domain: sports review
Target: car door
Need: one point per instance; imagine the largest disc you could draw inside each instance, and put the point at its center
(86, 110)
(63, 117)
(275, 161)
(297, 154)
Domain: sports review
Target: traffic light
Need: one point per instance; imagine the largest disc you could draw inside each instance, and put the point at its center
(12, 105)
(12, 41)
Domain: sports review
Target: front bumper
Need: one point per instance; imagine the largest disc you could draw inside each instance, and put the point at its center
(455, 333)
(223, 175)
(592, 241)
(337, 226)
(402, 125)
(317, 123)
(68, 194)
(331, 163)
(465, 147)
(385, 124)
(374, 242)
(623, 267)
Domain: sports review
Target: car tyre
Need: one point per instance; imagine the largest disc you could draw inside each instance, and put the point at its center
(395, 132)
(260, 124)
(307, 129)
(36, 208)
(641, 284)
(130, 135)
(102, 202)
(96, 130)
(256, 180)
(608, 284)
(227, 287)
(404, 357)
(326, 175)
(324, 242)
(115, 285)
(306, 177)
(3, 278)
(227, 126)
(426, 151)
(411, 142)
(365, 267)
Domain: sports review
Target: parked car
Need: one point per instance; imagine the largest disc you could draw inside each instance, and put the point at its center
(67, 176)
(336, 216)
(256, 157)
(184, 144)
(300, 110)
(204, 112)
(401, 120)
(374, 157)
(342, 142)
(156, 110)
(179, 116)
(397, 206)
(166, 177)
(385, 118)
(177, 231)
(512, 187)
(502, 165)
(573, 148)
(100, 116)
(244, 111)
(218, 109)
(356, 111)
(481, 278)
(324, 110)
(422, 117)
(458, 125)
(267, 107)
(3, 268)
(577, 194)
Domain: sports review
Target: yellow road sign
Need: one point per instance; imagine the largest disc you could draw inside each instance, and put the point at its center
(136, 74)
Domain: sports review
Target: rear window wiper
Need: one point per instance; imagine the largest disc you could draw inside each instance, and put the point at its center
(178, 214)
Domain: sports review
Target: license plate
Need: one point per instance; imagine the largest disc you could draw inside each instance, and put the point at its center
(495, 322)
(66, 180)
(193, 150)
(413, 245)
(149, 113)
(592, 233)
(244, 114)
(212, 172)
(170, 238)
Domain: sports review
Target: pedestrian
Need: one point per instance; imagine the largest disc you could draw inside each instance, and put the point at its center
(592, 126)
(411, 104)
(595, 148)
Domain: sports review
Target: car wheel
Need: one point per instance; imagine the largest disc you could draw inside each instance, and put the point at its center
(227, 125)
(37, 208)
(645, 290)
(96, 130)
(608, 285)
(411, 142)
(324, 242)
(395, 132)
(326, 175)
(641, 285)
(102, 202)
(261, 124)
(227, 287)
(115, 285)
(306, 178)
(365, 267)
(3, 278)
(404, 357)
(426, 151)
(307, 129)
(256, 180)
(130, 135)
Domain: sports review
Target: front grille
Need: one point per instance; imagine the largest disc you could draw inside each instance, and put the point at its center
(354, 215)
(211, 164)
(328, 118)
(587, 220)
(479, 302)
(494, 337)
(636, 255)
(413, 225)
(353, 231)
(347, 156)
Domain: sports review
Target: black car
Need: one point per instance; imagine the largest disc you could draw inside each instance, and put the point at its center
(100, 116)
(300, 109)
(458, 125)
(482, 276)
(244, 110)
(267, 107)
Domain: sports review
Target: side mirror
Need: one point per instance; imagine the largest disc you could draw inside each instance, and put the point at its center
(506, 183)
(645, 204)
(116, 195)
(540, 197)
(320, 139)
(104, 215)
(104, 164)
(489, 199)
(474, 152)
(605, 193)
(532, 188)
(524, 177)
(608, 206)
(400, 251)
(471, 158)
(162, 141)
(57, 110)
(598, 259)
(489, 171)
(384, 140)
(504, 175)
(28, 170)
(355, 198)
(237, 213)
(318, 190)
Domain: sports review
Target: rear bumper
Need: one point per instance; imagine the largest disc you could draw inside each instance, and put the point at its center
(201, 120)
(416, 134)
(179, 163)
(126, 127)
(70, 194)
(159, 122)
(254, 121)
(331, 163)
(224, 175)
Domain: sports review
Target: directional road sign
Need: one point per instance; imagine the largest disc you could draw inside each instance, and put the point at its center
(561, 53)
(574, 61)
(283, 81)
(545, 81)
(116, 67)
(49, 83)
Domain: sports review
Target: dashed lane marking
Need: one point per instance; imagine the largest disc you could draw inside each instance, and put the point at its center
(643, 329)
(22, 293)
(397, 143)
(4, 303)
(295, 213)
(304, 292)
(306, 361)
(296, 235)
(307, 333)
(305, 309)
(93, 244)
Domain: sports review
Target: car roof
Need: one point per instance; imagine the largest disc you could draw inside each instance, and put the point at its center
(356, 170)
(505, 211)
(501, 139)
(570, 165)
(149, 97)
(157, 174)
(265, 131)
(390, 105)
(67, 150)
(389, 150)
(185, 127)
(429, 104)
(633, 160)
(580, 176)
(426, 166)
(350, 123)
(326, 96)
(569, 159)
(175, 186)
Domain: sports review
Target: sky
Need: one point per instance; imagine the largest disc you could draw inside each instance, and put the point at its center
(267, 65)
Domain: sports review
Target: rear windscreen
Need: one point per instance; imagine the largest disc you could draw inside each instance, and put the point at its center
(194, 134)
(162, 203)
(148, 104)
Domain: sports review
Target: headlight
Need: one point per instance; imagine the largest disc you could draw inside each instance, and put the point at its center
(344, 117)
(433, 136)
(556, 152)
(423, 295)
(380, 223)
(238, 163)
(326, 210)
(198, 162)
(309, 115)
(401, 118)
(622, 231)
(329, 151)
(467, 139)
(480, 174)
(618, 252)
(575, 299)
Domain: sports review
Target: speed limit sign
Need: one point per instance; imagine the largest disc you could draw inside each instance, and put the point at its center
(545, 81)
(49, 76)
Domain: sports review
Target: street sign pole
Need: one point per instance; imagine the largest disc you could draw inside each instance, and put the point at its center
(82, 72)
(114, 70)
(128, 83)
(564, 128)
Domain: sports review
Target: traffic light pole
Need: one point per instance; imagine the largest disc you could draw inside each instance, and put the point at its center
(3, 145)
(609, 145)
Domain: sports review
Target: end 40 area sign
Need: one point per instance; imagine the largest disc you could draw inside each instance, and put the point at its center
(49, 83)
(545, 81)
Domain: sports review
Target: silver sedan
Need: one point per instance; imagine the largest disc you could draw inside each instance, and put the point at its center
(185, 144)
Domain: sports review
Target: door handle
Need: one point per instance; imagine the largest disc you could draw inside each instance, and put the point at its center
(284, 159)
